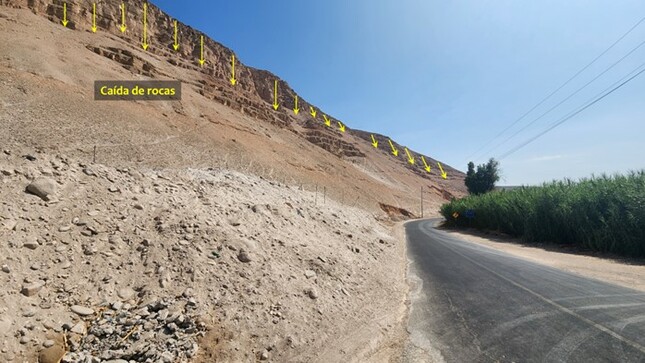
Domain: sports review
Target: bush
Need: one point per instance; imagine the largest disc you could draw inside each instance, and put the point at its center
(483, 180)
(603, 213)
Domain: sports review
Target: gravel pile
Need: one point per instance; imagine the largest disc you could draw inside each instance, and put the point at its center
(164, 330)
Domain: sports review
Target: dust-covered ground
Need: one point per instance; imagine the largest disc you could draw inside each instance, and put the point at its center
(180, 265)
(622, 272)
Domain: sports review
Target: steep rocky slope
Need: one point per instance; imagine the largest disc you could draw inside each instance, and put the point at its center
(251, 98)
(211, 228)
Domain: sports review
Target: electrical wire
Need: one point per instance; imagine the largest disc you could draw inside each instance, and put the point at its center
(559, 88)
(568, 97)
(613, 88)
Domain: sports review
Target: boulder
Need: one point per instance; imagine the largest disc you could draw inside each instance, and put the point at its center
(44, 188)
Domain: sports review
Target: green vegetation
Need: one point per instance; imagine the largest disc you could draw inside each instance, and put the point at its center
(604, 213)
(483, 180)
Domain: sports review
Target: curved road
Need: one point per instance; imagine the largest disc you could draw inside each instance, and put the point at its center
(476, 304)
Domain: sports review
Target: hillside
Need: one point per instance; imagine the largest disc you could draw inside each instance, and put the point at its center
(188, 265)
(214, 228)
(214, 124)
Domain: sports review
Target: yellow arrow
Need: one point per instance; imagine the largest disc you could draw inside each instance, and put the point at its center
(275, 95)
(312, 112)
(443, 173)
(93, 17)
(176, 44)
(374, 142)
(427, 167)
(296, 110)
(233, 80)
(327, 121)
(410, 158)
(201, 52)
(145, 27)
(64, 22)
(341, 126)
(123, 27)
(395, 152)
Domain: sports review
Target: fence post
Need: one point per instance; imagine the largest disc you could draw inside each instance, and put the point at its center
(422, 201)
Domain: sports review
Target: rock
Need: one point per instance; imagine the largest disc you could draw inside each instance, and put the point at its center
(312, 293)
(264, 355)
(53, 354)
(138, 206)
(126, 293)
(24, 340)
(44, 188)
(117, 305)
(64, 228)
(79, 328)
(310, 273)
(32, 289)
(10, 225)
(89, 171)
(6, 269)
(82, 310)
(244, 256)
(48, 343)
(32, 245)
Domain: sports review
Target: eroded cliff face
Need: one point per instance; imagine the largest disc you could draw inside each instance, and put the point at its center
(253, 94)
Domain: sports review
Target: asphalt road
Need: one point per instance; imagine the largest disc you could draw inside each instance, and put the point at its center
(476, 304)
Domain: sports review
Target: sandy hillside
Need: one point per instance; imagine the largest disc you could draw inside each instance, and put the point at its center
(47, 101)
(208, 229)
(192, 263)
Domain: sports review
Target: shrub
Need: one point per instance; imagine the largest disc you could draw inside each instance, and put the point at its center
(602, 213)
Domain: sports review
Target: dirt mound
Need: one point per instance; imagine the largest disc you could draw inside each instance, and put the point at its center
(140, 264)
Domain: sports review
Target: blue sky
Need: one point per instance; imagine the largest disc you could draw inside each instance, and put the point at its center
(445, 77)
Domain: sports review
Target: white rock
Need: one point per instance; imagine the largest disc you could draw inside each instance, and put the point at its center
(126, 293)
(264, 355)
(82, 310)
(79, 328)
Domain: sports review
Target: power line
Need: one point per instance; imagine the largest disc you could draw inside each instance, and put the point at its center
(568, 97)
(559, 88)
(590, 103)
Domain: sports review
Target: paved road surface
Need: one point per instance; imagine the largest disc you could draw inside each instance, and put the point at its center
(476, 304)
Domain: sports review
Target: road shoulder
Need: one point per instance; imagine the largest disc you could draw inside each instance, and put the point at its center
(630, 274)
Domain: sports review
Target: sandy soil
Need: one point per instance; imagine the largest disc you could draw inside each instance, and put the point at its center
(622, 272)
(270, 272)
